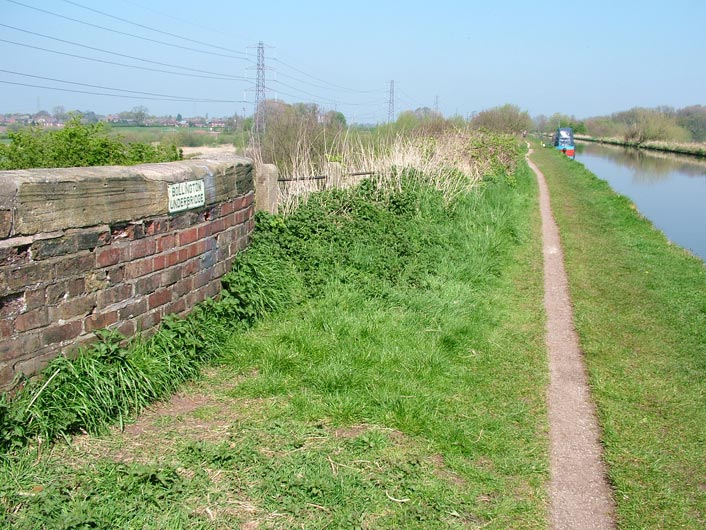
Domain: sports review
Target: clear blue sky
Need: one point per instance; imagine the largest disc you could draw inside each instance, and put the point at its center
(581, 58)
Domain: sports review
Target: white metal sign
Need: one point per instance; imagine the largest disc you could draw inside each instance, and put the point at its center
(186, 195)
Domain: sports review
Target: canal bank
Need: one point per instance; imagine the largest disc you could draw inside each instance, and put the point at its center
(668, 189)
(693, 149)
(640, 314)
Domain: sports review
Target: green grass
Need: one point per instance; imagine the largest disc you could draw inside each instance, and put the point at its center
(180, 136)
(641, 317)
(398, 383)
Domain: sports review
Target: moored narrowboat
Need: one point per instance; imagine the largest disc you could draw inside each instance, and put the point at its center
(564, 141)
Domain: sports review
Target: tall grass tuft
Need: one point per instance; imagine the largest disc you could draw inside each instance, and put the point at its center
(451, 161)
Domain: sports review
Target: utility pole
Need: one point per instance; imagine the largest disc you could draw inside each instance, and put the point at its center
(436, 104)
(391, 105)
(260, 90)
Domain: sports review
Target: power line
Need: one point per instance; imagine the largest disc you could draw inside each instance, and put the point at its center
(175, 35)
(320, 98)
(176, 98)
(183, 21)
(224, 76)
(110, 95)
(104, 28)
(181, 37)
(324, 81)
(115, 63)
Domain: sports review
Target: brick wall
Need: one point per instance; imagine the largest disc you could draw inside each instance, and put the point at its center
(88, 248)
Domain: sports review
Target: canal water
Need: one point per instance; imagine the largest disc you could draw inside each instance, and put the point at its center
(668, 189)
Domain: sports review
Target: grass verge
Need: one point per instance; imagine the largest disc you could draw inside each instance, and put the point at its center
(641, 317)
(404, 390)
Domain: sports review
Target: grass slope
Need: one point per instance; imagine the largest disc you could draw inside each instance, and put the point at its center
(404, 390)
(641, 317)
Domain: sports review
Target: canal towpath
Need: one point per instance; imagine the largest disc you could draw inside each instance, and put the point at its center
(580, 496)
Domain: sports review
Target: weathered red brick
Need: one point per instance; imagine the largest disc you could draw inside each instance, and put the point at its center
(75, 265)
(190, 267)
(171, 276)
(127, 328)
(188, 236)
(114, 295)
(178, 256)
(58, 246)
(5, 223)
(213, 288)
(137, 230)
(116, 275)
(166, 242)
(14, 255)
(134, 309)
(193, 250)
(184, 220)
(195, 297)
(90, 238)
(211, 212)
(203, 278)
(61, 332)
(36, 362)
(160, 261)
(159, 298)
(204, 230)
(219, 269)
(242, 243)
(182, 287)
(142, 248)
(139, 268)
(6, 328)
(35, 298)
(101, 320)
(106, 257)
(23, 276)
(12, 305)
(148, 284)
(150, 320)
(34, 319)
(178, 306)
(209, 259)
(156, 226)
(16, 347)
(218, 226)
(64, 290)
(73, 307)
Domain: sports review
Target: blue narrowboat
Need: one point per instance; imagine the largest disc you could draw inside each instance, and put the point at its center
(564, 141)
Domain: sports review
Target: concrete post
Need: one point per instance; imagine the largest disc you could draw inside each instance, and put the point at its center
(266, 188)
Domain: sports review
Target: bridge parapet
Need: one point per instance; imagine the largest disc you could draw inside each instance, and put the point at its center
(112, 247)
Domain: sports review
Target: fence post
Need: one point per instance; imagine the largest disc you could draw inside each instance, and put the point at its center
(266, 188)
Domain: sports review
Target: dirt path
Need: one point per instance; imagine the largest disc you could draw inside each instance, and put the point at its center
(580, 496)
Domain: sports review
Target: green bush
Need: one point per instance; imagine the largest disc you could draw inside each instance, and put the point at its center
(78, 145)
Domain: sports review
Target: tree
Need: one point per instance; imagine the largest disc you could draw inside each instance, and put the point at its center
(140, 114)
(179, 118)
(336, 119)
(693, 119)
(87, 116)
(60, 113)
(505, 119)
(643, 125)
